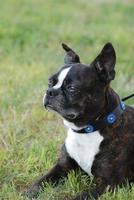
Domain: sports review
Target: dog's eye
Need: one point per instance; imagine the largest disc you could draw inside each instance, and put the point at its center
(72, 89)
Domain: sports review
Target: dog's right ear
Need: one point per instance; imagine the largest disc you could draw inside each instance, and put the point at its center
(71, 57)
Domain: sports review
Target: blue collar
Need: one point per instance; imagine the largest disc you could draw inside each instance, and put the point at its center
(109, 119)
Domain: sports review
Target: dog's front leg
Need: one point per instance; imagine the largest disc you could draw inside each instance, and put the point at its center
(59, 171)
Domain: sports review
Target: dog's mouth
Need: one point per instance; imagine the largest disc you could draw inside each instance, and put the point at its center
(68, 116)
(50, 107)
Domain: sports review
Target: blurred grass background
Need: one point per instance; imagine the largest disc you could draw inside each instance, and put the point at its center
(31, 33)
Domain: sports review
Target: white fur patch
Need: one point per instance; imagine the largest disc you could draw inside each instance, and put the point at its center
(61, 77)
(83, 148)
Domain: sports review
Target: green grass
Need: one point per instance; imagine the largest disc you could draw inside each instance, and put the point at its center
(31, 33)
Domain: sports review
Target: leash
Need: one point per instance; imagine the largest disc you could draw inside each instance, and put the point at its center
(128, 97)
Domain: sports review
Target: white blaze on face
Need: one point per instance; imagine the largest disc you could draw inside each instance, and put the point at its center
(61, 77)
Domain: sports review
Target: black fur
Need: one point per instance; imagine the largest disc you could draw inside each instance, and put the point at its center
(85, 96)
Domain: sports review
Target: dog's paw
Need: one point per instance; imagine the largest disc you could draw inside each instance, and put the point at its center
(32, 192)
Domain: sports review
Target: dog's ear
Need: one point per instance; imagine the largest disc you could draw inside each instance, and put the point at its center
(71, 57)
(105, 63)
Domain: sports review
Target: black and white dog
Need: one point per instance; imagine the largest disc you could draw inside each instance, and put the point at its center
(100, 138)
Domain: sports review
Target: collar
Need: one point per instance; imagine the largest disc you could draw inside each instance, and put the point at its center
(109, 119)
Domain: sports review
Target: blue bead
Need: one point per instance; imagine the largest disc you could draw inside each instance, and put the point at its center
(111, 118)
(122, 105)
(89, 129)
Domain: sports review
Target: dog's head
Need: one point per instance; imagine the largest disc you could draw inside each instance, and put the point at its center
(77, 91)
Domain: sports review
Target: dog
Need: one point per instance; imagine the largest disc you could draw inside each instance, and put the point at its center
(100, 137)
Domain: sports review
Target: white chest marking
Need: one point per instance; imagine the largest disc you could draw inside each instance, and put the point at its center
(61, 77)
(83, 148)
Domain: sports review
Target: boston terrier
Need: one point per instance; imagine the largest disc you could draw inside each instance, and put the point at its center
(100, 136)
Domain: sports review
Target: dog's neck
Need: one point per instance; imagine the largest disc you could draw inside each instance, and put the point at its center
(111, 102)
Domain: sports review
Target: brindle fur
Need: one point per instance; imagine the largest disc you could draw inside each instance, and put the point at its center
(113, 165)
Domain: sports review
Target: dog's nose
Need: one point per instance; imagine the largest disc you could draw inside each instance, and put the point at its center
(52, 92)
